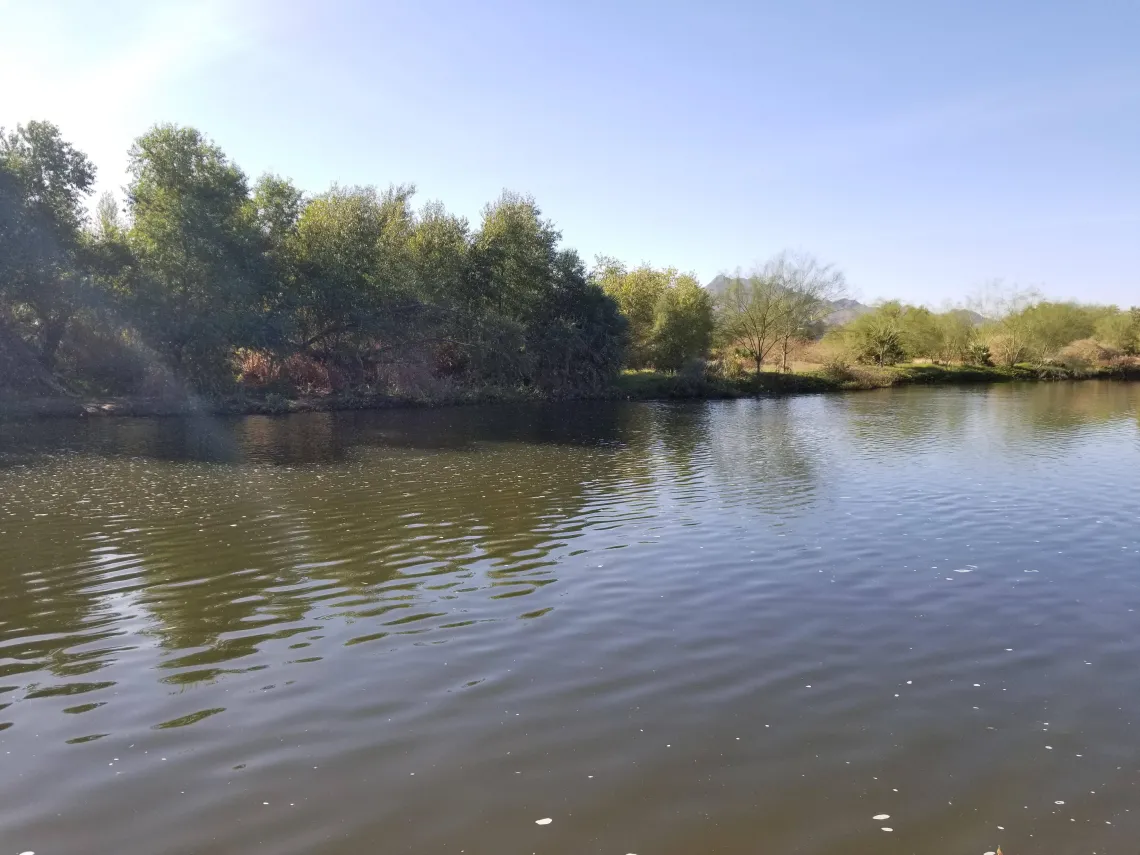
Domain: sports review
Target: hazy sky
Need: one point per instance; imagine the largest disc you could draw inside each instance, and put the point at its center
(923, 146)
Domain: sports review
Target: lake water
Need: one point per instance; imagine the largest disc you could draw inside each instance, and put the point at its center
(712, 627)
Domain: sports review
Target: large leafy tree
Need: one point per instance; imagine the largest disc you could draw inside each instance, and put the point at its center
(44, 183)
(577, 340)
(668, 313)
(196, 236)
(682, 324)
(354, 293)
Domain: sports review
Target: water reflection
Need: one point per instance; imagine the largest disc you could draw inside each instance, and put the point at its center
(161, 575)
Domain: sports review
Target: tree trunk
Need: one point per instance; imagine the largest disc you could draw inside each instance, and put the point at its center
(52, 336)
(784, 357)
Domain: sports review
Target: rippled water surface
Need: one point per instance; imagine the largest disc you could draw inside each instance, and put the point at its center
(722, 627)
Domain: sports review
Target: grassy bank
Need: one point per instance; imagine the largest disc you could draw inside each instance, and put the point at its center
(631, 385)
(651, 385)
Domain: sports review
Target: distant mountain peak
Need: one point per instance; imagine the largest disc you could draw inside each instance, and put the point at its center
(842, 311)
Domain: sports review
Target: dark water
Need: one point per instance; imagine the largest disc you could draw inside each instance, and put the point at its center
(727, 627)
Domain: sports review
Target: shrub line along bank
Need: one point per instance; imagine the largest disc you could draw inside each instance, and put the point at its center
(633, 386)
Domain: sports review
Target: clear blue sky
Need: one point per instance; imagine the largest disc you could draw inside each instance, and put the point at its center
(924, 147)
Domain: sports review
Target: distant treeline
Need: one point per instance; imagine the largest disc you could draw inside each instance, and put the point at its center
(207, 283)
(1008, 327)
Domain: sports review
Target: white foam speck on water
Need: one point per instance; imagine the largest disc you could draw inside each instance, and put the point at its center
(887, 829)
(1058, 802)
(969, 568)
(881, 816)
(1049, 747)
(1001, 828)
(989, 853)
(545, 821)
(977, 685)
(908, 682)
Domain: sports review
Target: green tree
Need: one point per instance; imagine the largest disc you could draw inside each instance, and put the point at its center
(196, 237)
(808, 287)
(638, 293)
(878, 337)
(682, 324)
(957, 335)
(1120, 330)
(751, 317)
(1008, 332)
(44, 182)
(922, 333)
(578, 340)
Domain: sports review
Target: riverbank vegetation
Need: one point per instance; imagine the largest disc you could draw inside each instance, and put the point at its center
(254, 295)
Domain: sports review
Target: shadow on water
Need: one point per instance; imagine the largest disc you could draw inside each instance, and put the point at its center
(315, 437)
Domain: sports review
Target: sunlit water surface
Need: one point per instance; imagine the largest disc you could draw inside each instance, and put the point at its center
(724, 627)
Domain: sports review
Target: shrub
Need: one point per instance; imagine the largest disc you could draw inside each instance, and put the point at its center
(694, 369)
(1085, 352)
(978, 353)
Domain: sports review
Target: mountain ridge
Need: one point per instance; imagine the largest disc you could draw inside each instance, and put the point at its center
(843, 310)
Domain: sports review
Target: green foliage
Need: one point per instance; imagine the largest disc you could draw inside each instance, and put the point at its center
(682, 325)
(196, 239)
(785, 301)
(978, 353)
(670, 315)
(921, 332)
(958, 339)
(44, 182)
(205, 279)
(878, 337)
(1120, 330)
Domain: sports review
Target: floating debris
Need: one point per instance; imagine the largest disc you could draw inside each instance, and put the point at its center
(545, 821)
(1058, 802)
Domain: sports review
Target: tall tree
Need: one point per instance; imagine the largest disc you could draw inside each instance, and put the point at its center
(682, 324)
(753, 316)
(195, 233)
(44, 182)
(807, 286)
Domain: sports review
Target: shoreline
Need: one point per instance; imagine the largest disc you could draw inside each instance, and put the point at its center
(631, 386)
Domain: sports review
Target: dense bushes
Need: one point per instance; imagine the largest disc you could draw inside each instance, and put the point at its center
(1024, 330)
(207, 282)
(670, 315)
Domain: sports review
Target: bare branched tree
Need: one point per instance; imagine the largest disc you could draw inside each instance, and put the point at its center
(808, 286)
